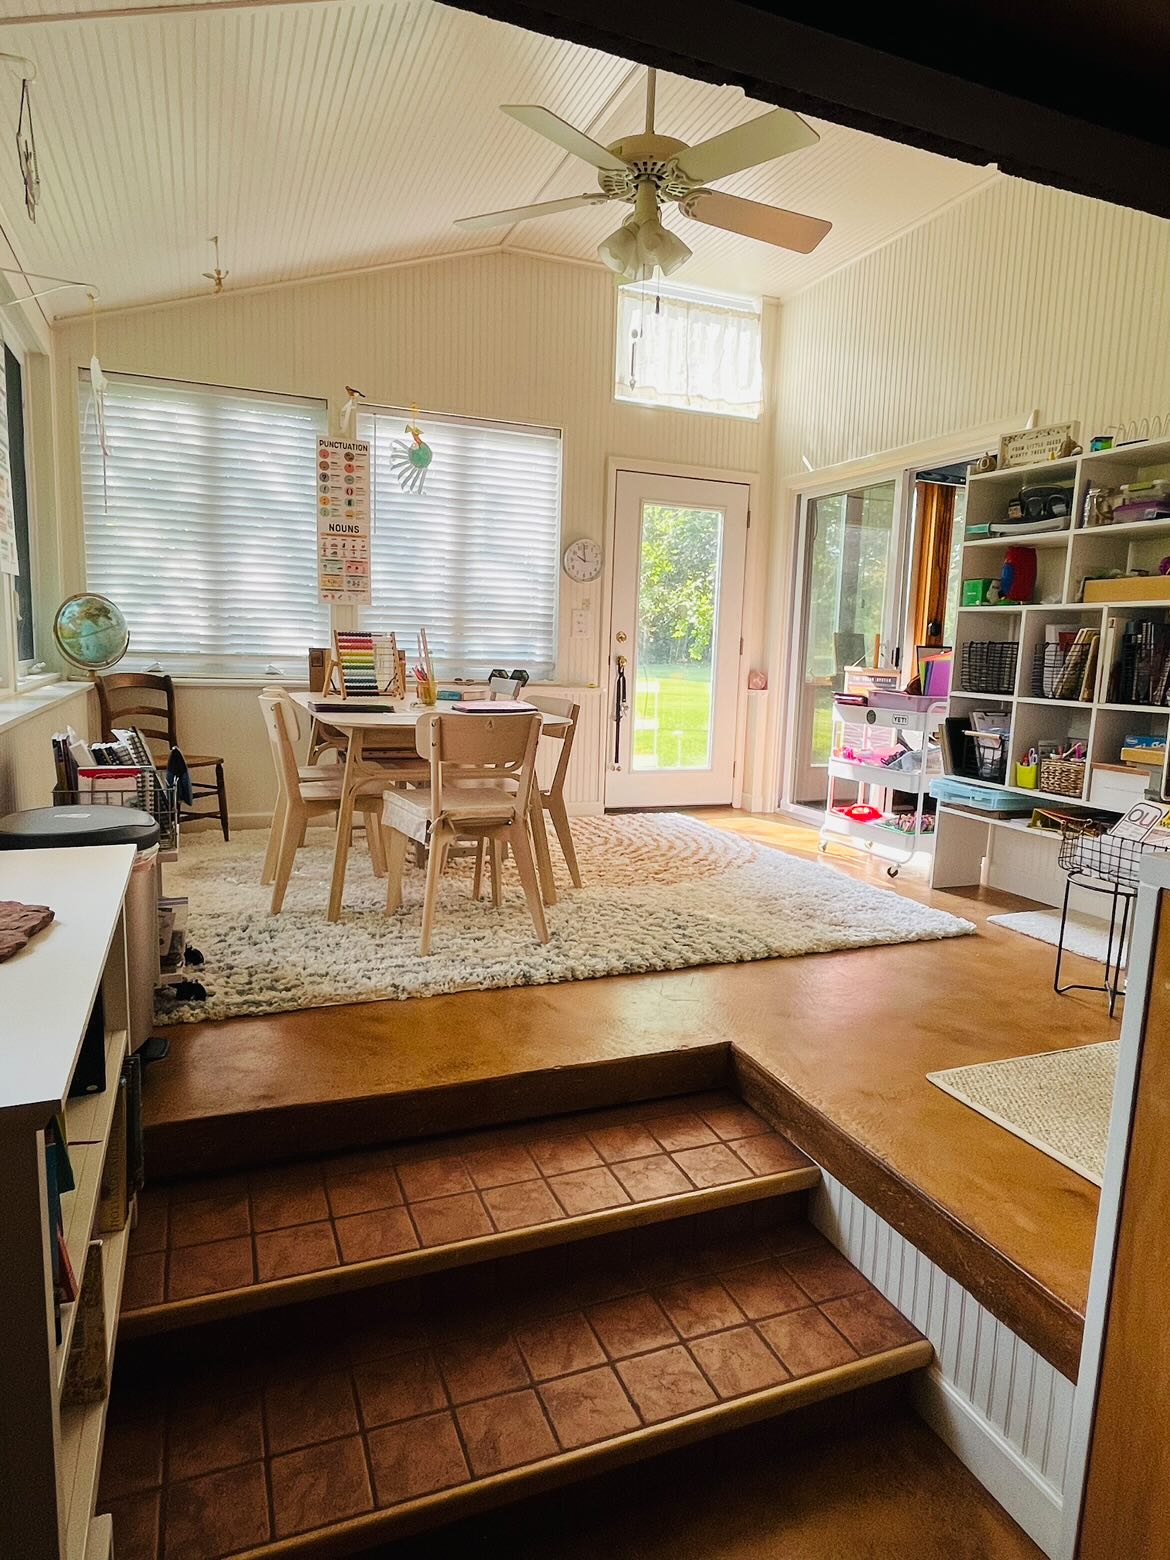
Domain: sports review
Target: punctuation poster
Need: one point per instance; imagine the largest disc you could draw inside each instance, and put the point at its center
(343, 521)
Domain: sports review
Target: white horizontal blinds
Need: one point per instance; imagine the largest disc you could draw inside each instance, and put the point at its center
(203, 527)
(474, 557)
(683, 347)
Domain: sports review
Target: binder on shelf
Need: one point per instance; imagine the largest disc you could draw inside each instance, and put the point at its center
(114, 1198)
(135, 1163)
(87, 1371)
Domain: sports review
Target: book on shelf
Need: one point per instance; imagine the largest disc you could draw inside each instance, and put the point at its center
(114, 1196)
(1139, 650)
(87, 1370)
(1078, 668)
(135, 1158)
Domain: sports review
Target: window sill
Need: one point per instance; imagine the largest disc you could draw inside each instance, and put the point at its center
(34, 700)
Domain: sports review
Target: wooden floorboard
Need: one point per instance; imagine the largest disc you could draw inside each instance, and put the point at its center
(851, 1034)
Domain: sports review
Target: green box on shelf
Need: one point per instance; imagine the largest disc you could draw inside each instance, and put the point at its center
(975, 592)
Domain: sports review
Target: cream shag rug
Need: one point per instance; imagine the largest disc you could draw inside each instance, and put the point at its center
(661, 892)
(1058, 1101)
(1087, 935)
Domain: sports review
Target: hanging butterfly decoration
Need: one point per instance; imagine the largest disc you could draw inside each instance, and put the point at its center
(217, 276)
(410, 462)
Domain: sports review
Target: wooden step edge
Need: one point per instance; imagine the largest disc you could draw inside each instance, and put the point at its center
(358, 1534)
(169, 1315)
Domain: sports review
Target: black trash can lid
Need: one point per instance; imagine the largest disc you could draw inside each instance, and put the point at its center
(44, 827)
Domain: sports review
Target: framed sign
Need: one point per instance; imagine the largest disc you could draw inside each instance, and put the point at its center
(1032, 445)
(343, 521)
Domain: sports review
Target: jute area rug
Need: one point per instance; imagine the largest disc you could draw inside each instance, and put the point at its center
(1058, 1101)
(661, 891)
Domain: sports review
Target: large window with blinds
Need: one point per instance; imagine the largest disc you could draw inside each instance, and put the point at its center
(200, 523)
(474, 557)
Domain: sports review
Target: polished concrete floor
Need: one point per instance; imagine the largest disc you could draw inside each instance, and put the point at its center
(855, 1033)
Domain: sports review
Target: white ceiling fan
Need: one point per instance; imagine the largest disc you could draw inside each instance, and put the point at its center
(645, 170)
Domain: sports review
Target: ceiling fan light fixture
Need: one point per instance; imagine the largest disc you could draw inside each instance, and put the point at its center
(658, 246)
(620, 250)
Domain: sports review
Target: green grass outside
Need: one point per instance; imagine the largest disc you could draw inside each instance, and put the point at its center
(683, 712)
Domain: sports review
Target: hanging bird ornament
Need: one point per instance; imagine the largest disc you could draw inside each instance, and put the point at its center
(217, 276)
(350, 406)
(410, 462)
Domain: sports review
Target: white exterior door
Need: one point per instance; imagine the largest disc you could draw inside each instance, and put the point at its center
(678, 565)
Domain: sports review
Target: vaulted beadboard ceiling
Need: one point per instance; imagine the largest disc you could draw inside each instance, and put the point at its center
(333, 135)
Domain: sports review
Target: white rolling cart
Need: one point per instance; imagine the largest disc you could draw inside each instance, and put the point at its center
(50, 1454)
(881, 747)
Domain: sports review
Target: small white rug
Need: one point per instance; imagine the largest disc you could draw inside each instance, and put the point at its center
(661, 892)
(1087, 935)
(1059, 1101)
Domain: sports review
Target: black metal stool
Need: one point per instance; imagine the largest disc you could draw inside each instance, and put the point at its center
(1101, 863)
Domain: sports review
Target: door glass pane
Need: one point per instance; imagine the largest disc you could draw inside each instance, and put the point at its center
(845, 589)
(677, 622)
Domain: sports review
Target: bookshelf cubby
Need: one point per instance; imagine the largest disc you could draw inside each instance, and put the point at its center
(1063, 560)
(51, 1445)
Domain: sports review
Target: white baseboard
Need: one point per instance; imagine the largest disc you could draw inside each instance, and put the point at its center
(1028, 1497)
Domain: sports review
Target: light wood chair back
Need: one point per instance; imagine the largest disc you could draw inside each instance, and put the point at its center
(565, 735)
(551, 799)
(117, 706)
(466, 750)
(284, 758)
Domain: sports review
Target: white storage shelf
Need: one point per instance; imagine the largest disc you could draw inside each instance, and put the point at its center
(52, 1452)
(1063, 559)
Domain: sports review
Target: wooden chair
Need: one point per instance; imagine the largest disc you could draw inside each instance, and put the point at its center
(299, 800)
(115, 695)
(552, 801)
(483, 769)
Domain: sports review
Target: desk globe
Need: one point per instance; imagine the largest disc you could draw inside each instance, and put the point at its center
(90, 632)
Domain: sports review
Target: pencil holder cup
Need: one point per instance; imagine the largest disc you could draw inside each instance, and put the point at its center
(427, 693)
(1027, 776)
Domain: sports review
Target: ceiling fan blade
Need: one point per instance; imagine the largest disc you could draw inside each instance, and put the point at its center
(759, 141)
(770, 224)
(566, 136)
(546, 208)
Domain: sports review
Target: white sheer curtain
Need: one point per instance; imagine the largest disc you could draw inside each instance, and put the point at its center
(676, 347)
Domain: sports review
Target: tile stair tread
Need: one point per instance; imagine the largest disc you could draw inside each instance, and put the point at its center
(365, 1418)
(208, 1247)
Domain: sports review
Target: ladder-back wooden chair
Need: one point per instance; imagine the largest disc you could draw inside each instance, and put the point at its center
(146, 700)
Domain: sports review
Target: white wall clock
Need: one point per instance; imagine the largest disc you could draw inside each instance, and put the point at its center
(582, 560)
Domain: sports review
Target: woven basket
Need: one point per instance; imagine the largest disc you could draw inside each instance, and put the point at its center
(1062, 776)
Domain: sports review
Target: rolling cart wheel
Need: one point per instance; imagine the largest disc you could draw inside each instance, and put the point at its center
(891, 872)
(822, 846)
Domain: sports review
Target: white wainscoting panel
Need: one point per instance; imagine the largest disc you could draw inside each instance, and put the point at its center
(1002, 1409)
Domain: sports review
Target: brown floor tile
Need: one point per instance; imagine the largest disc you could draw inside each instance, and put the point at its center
(500, 1166)
(398, 1388)
(699, 1305)
(136, 1526)
(306, 1248)
(209, 1432)
(623, 1142)
(763, 1289)
(588, 1407)
(145, 1279)
(630, 1325)
(385, 1232)
(714, 1165)
(287, 1195)
(479, 1367)
(205, 1270)
(526, 1202)
(769, 1154)
(587, 1191)
(217, 1514)
(505, 1432)
(738, 1361)
(319, 1485)
(655, 1176)
(823, 1273)
(416, 1458)
(807, 1342)
(361, 1191)
(735, 1249)
(559, 1345)
(445, 1220)
(205, 1188)
(559, 1155)
(731, 1120)
(441, 1177)
(150, 1231)
(192, 1223)
(303, 1410)
(133, 1457)
(870, 1322)
(665, 1384)
(685, 1130)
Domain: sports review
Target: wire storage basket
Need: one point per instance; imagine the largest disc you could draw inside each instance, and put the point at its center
(989, 666)
(148, 792)
(1058, 674)
(987, 756)
(1086, 848)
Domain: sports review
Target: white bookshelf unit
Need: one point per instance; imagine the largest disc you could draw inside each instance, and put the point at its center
(970, 843)
(51, 1453)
